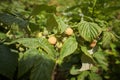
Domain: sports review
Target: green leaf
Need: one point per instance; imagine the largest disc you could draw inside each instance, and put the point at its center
(51, 22)
(47, 47)
(61, 25)
(86, 57)
(27, 42)
(68, 48)
(74, 71)
(37, 42)
(83, 75)
(39, 64)
(73, 78)
(27, 61)
(88, 30)
(10, 19)
(43, 7)
(33, 27)
(54, 22)
(94, 76)
(108, 37)
(42, 69)
(8, 62)
(101, 59)
(2, 36)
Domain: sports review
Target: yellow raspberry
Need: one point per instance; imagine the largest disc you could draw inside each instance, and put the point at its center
(52, 40)
(69, 31)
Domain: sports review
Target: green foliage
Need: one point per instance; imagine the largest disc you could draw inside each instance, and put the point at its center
(26, 25)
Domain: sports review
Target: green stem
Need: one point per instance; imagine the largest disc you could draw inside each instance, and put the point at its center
(54, 72)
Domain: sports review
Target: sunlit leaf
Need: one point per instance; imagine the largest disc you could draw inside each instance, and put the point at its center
(88, 30)
(61, 25)
(27, 42)
(68, 48)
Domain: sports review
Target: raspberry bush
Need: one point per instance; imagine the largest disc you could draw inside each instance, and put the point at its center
(59, 39)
